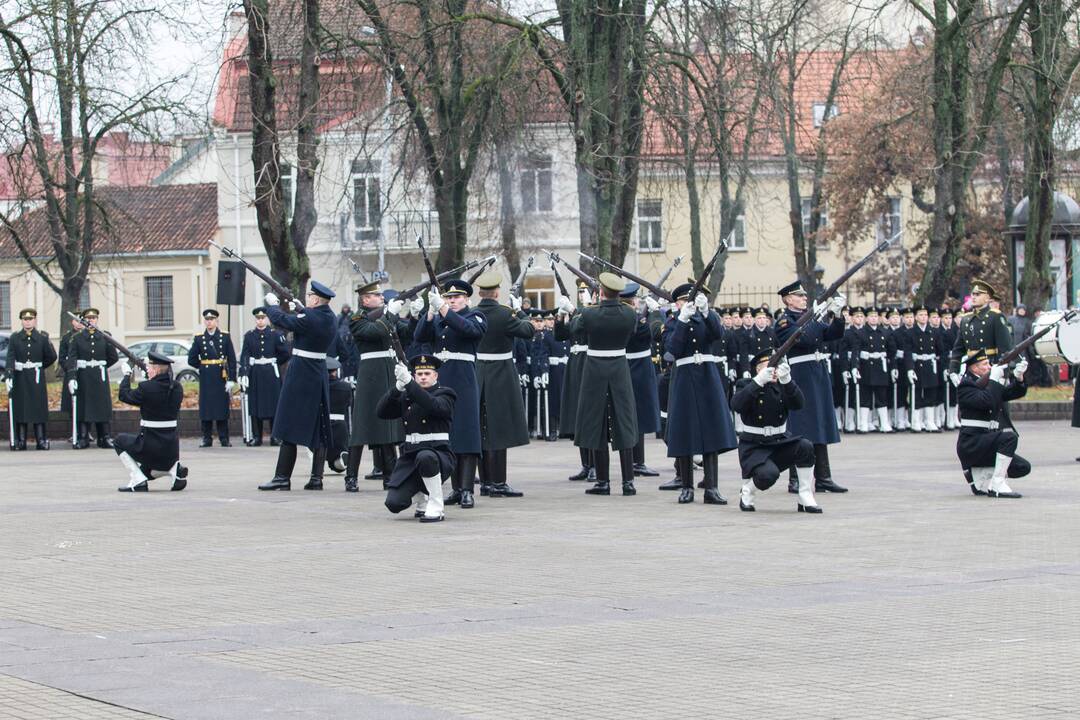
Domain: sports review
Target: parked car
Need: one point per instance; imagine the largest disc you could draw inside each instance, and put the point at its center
(176, 351)
(5, 337)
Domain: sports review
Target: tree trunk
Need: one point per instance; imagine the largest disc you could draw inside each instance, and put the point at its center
(507, 213)
(305, 214)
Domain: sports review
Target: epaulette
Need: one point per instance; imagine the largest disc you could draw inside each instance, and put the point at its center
(782, 322)
(995, 310)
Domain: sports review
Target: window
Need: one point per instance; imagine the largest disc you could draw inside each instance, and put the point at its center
(737, 238)
(171, 349)
(159, 301)
(888, 225)
(536, 185)
(367, 200)
(288, 189)
(650, 226)
(84, 296)
(819, 241)
(823, 112)
(5, 304)
(540, 290)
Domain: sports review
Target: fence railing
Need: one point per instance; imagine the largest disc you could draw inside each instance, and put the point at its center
(738, 294)
(396, 232)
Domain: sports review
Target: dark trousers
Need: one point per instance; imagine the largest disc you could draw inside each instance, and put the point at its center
(222, 428)
(493, 467)
(400, 498)
(875, 396)
(800, 454)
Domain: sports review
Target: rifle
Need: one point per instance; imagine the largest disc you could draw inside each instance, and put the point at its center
(699, 284)
(808, 315)
(581, 275)
(558, 277)
(1024, 344)
(135, 359)
(667, 273)
(356, 268)
(654, 289)
(283, 293)
(482, 269)
(421, 287)
(427, 262)
(515, 289)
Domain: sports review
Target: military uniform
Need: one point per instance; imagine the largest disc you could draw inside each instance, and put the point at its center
(766, 448)
(877, 368)
(921, 365)
(29, 353)
(538, 370)
(61, 353)
(986, 445)
(157, 445)
(699, 420)
(453, 339)
(261, 356)
(213, 355)
(303, 413)
(558, 352)
(426, 455)
(503, 424)
(571, 391)
(949, 331)
(981, 329)
(639, 353)
(88, 360)
(606, 413)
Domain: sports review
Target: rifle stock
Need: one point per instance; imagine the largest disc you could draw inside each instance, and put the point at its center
(515, 289)
(434, 278)
(581, 275)
(558, 278)
(1024, 344)
(484, 265)
(699, 284)
(653, 288)
(120, 348)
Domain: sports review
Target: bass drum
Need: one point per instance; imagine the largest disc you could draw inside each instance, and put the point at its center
(1061, 344)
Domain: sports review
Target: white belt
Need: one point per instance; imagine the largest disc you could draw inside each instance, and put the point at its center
(375, 355)
(638, 355)
(494, 357)
(337, 416)
(663, 414)
(767, 431)
(561, 360)
(875, 356)
(308, 354)
(83, 364)
(931, 357)
(415, 438)
(696, 359)
(807, 358)
(445, 355)
(578, 348)
(984, 424)
(35, 366)
(899, 354)
(621, 352)
(158, 423)
(266, 361)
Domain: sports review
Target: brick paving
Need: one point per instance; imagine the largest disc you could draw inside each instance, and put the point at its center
(908, 598)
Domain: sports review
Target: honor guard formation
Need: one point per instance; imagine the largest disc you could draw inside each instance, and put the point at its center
(441, 388)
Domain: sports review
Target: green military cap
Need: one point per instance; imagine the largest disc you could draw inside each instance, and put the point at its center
(27, 314)
(983, 286)
(612, 282)
(490, 280)
(371, 287)
(90, 313)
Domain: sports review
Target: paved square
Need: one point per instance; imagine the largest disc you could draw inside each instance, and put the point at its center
(908, 598)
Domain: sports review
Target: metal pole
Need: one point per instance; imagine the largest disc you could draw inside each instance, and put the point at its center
(895, 403)
(74, 419)
(11, 416)
(948, 387)
(547, 413)
(912, 392)
(847, 407)
(858, 404)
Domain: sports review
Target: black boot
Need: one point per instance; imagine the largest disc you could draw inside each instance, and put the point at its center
(256, 433)
(583, 474)
(20, 436)
(223, 433)
(793, 481)
(283, 472)
(318, 460)
(83, 440)
(499, 487)
(207, 434)
(686, 473)
(626, 467)
(823, 473)
(352, 468)
(602, 465)
(377, 471)
(712, 472)
(486, 472)
(104, 441)
(467, 467)
(181, 478)
(41, 437)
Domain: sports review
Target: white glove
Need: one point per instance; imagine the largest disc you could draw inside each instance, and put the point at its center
(394, 306)
(125, 367)
(701, 302)
(352, 382)
(846, 375)
(544, 380)
(296, 305)
(271, 299)
(783, 373)
(746, 374)
(651, 304)
(894, 374)
(515, 303)
(586, 297)
(686, 312)
(765, 376)
(243, 383)
(672, 309)
(524, 379)
(10, 384)
(73, 386)
(435, 300)
(229, 384)
(836, 304)
(731, 375)
(912, 377)
(856, 375)
(565, 306)
(1020, 369)
(954, 378)
(997, 373)
(536, 382)
(416, 306)
(402, 374)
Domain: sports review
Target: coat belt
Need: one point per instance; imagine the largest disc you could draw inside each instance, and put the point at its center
(696, 359)
(864, 355)
(807, 358)
(594, 352)
(84, 364)
(984, 424)
(559, 360)
(158, 423)
(308, 354)
(266, 361)
(337, 416)
(767, 430)
(445, 355)
(377, 355)
(578, 348)
(638, 355)
(494, 357)
(416, 438)
(926, 357)
(35, 366)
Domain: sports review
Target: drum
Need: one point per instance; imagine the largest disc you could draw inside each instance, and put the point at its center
(1061, 344)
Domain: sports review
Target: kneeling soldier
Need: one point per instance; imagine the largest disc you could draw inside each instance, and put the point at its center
(987, 442)
(157, 446)
(765, 447)
(426, 460)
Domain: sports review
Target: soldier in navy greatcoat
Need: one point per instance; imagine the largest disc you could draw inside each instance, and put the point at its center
(87, 366)
(816, 420)
(454, 330)
(29, 353)
(558, 352)
(699, 418)
(303, 414)
(923, 370)
(213, 355)
(639, 353)
(264, 351)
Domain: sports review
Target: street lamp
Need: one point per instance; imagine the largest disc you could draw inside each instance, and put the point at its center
(819, 274)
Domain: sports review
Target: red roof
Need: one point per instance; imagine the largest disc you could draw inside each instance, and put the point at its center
(160, 218)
